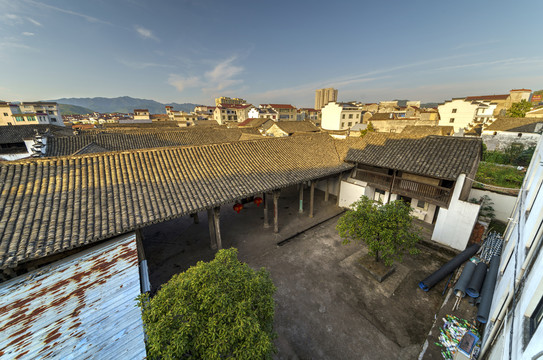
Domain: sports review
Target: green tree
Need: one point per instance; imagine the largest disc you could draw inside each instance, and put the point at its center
(387, 229)
(368, 129)
(519, 109)
(215, 310)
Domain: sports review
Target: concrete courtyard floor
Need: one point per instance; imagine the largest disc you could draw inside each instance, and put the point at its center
(327, 307)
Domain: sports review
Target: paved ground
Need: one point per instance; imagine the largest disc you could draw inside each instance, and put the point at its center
(327, 307)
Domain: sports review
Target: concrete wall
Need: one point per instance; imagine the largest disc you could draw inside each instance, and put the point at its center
(464, 114)
(502, 139)
(351, 190)
(454, 225)
(503, 204)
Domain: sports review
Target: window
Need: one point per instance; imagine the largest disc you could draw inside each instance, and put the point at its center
(519, 134)
(454, 111)
(349, 124)
(357, 116)
(451, 120)
(6, 114)
(53, 119)
(343, 116)
(421, 204)
(350, 116)
(536, 318)
(379, 195)
(19, 118)
(342, 125)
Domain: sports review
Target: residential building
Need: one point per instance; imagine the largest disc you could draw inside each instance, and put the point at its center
(263, 113)
(506, 131)
(286, 112)
(312, 115)
(142, 114)
(514, 329)
(535, 113)
(340, 116)
(224, 114)
(224, 100)
(30, 113)
(204, 112)
(433, 174)
(324, 96)
(288, 128)
(395, 123)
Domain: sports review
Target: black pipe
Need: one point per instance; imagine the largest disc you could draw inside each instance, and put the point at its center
(465, 278)
(448, 268)
(476, 282)
(488, 290)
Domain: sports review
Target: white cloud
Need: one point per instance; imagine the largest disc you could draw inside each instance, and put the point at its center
(145, 33)
(12, 16)
(66, 11)
(181, 83)
(26, 33)
(142, 65)
(34, 21)
(222, 76)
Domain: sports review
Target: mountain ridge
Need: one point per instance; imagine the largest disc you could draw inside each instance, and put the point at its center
(124, 104)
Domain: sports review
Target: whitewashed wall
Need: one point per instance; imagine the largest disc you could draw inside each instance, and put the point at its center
(503, 204)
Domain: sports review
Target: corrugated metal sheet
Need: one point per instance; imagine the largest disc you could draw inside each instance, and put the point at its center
(81, 307)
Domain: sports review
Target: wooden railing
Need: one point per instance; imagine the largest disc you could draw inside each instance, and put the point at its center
(431, 193)
(382, 181)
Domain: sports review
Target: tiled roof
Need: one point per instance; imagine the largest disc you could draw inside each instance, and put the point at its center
(50, 205)
(426, 130)
(383, 116)
(487, 97)
(443, 157)
(92, 148)
(60, 146)
(514, 124)
(281, 106)
(253, 122)
(17, 133)
(291, 127)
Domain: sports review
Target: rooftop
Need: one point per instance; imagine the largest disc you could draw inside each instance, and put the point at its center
(487, 97)
(514, 124)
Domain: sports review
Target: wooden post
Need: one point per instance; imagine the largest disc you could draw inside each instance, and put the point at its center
(276, 211)
(301, 206)
(327, 189)
(338, 188)
(213, 241)
(311, 199)
(265, 203)
(216, 222)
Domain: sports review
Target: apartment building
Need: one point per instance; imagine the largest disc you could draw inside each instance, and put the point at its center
(286, 112)
(29, 113)
(514, 329)
(225, 100)
(340, 116)
(324, 96)
(142, 114)
(224, 114)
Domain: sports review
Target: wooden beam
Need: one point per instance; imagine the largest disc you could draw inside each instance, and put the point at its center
(312, 199)
(216, 222)
(276, 211)
(301, 206)
(213, 241)
(265, 203)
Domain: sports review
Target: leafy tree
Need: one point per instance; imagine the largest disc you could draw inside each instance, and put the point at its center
(387, 230)
(519, 109)
(215, 310)
(369, 128)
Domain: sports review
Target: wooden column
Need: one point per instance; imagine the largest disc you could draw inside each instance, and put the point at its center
(265, 203)
(276, 211)
(301, 206)
(311, 199)
(327, 191)
(213, 241)
(195, 217)
(338, 188)
(216, 222)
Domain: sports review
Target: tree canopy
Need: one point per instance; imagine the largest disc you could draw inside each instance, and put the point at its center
(387, 229)
(215, 310)
(519, 109)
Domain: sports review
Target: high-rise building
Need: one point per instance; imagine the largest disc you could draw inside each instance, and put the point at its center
(324, 96)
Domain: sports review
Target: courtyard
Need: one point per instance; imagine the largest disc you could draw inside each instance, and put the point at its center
(327, 307)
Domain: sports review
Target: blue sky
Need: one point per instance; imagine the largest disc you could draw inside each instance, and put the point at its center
(268, 51)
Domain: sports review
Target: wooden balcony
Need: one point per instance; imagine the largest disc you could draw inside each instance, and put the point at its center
(433, 194)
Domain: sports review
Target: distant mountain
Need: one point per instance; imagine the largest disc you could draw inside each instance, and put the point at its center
(124, 104)
(66, 109)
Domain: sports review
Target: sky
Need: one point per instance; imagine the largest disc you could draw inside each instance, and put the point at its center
(268, 51)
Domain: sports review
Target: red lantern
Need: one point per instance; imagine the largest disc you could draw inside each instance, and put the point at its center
(258, 201)
(238, 207)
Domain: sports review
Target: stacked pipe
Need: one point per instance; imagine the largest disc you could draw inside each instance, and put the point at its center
(448, 268)
(487, 292)
(477, 279)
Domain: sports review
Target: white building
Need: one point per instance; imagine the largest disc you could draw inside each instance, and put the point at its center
(263, 113)
(514, 330)
(30, 113)
(142, 114)
(224, 114)
(340, 116)
(463, 114)
(506, 131)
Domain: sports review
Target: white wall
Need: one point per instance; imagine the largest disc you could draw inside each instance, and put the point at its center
(521, 266)
(454, 225)
(502, 139)
(331, 115)
(465, 112)
(503, 204)
(351, 191)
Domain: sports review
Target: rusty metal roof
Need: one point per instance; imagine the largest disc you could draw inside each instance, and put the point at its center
(81, 307)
